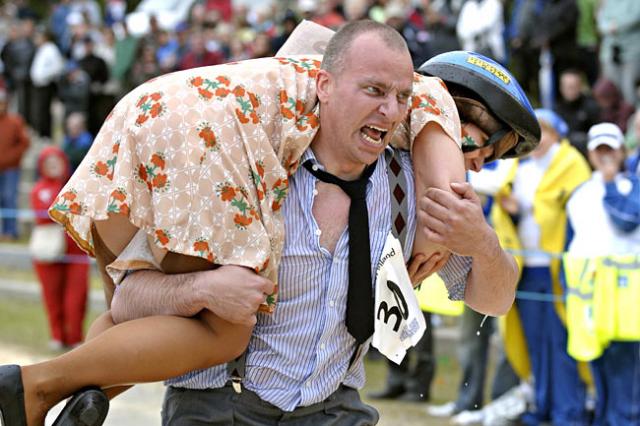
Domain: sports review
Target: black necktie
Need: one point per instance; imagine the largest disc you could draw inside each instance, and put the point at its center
(360, 294)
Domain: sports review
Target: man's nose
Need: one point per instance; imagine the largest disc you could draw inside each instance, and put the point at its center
(391, 108)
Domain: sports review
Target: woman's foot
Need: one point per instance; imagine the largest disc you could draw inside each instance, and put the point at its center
(88, 407)
(12, 406)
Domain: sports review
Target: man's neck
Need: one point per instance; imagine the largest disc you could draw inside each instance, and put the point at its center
(334, 162)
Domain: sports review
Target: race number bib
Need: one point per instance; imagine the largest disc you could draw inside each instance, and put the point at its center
(399, 323)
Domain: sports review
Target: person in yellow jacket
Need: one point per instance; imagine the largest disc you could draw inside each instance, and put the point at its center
(604, 215)
(529, 217)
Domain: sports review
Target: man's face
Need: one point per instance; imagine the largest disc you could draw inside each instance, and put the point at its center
(570, 86)
(362, 103)
(474, 160)
(548, 137)
(606, 157)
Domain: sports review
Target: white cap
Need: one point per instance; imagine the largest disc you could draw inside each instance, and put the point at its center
(307, 5)
(605, 134)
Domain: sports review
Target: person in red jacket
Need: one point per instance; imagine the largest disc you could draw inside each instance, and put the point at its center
(14, 141)
(65, 281)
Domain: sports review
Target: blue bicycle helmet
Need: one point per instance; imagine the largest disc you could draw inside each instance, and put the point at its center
(478, 84)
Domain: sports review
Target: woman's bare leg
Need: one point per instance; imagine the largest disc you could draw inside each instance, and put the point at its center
(99, 326)
(143, 350)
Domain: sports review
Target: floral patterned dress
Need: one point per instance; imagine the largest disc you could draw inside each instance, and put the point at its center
(200, 159)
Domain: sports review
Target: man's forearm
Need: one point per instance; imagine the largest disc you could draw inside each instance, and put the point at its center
(147, 293)
(493, 280)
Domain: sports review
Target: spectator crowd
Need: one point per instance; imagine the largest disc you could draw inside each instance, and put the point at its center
(578, 59)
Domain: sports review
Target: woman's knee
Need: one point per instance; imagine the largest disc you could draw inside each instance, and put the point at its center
(100, 325)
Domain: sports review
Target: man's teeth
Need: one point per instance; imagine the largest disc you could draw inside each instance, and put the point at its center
(375, 139)
(370, 139)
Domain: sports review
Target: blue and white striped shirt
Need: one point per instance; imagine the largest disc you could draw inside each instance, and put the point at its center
(300, 354)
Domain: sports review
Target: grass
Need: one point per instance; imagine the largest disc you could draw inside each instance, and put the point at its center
(28, 275)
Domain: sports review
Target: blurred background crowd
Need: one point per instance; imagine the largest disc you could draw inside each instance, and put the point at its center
(65, 64)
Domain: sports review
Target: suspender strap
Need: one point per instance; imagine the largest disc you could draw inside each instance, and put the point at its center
(398, 195)
(236, 370)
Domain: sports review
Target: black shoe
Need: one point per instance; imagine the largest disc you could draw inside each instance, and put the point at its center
(390, 392)
(88, 407)
(12, 396)
(412, 396)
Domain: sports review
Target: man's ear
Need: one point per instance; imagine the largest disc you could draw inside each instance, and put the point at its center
(324, 83)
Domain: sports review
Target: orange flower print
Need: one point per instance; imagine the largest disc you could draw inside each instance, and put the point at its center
(150, 106)
(279, 190)
(69, 196)
(150, 174)
(68, 203)
(238, 91)
(101, 168)
(303, 65)
(157, 160)
(223, 80)
(243, 118)
(313, 120)
(208, 88)
(415, 102)
(427, 103)
(124, 209)
(75, 208)
(159, 181)
(142, 100)
(155, 110)
(260, 168)
(141, 119)
(119, 195)
(253, 98)
(202, 247)
(142, 172)
(283, 97)
(227, 193)
(105, 169)
(242, 221)
(162, 237)
(221, 92)
(208, 137)
(205, 93)
(286, 113)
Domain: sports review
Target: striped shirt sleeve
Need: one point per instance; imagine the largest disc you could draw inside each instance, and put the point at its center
(454, 274)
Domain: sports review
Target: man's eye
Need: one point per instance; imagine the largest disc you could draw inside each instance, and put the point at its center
(372, 90)
(403, 99)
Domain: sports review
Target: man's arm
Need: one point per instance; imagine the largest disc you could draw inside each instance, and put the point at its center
(437, 161)
(458, 223)
(234, 293)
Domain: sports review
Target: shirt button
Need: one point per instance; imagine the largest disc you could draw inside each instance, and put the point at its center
(315, 192)
(322, 347)
(318, 232)
(332, 303)
(314, 168)
(307, 384)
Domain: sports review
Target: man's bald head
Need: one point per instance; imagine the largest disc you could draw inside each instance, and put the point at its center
(338, 47)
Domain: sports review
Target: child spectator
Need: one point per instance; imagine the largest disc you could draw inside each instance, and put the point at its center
(77, 140)
(64, 277)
